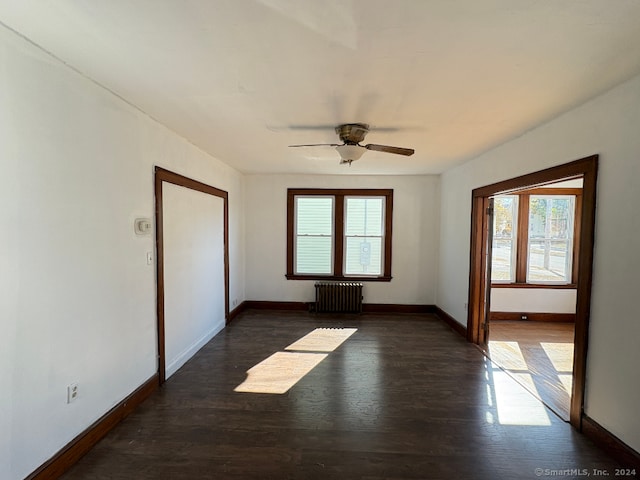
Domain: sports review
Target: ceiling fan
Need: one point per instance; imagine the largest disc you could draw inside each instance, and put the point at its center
(350, 150)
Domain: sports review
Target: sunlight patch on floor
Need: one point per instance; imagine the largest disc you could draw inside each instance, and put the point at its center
(279, 372)
(508, 355)
(514, 404)
(322, 340)
(525, 379)
(282, 370)
(560, 355)
(567, 380)
(545, 351)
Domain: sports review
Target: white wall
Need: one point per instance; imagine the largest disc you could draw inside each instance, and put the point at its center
(607, 125)
(533, 300)
(77, 297)
(193, 245)
(415, 237)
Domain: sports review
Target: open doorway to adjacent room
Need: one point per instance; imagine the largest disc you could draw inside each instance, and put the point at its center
(534, 270)
(530, 282)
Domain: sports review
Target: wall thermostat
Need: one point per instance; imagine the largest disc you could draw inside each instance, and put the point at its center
(142, 226)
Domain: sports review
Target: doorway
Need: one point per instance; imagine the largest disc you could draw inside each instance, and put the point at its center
(480, 268)
(192, 266)
(533, 288)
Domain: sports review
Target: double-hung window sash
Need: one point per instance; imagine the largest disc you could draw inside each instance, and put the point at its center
(314, 235)
(364, 235)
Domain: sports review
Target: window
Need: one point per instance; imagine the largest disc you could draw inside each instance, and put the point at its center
(550, 238)
(533, 237)
(339, 234)
(363, 235)
(505, 226)
(314, 235)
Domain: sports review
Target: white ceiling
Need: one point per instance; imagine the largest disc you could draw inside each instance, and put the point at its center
(243, 79)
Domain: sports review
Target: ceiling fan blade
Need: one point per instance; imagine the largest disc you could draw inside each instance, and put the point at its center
(327, 128)
(318, 145)
(388, 149)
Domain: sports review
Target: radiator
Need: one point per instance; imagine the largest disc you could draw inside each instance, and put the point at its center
(339, 297)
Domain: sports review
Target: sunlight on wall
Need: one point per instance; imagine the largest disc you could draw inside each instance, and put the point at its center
(282, 370)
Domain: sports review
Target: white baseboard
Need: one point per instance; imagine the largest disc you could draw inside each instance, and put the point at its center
(190, 351)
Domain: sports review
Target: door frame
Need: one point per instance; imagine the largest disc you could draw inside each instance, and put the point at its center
(587, 169)
(489, 213)
(162, 175)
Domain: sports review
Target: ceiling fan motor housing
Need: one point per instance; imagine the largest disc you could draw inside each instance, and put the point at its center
(352, 133)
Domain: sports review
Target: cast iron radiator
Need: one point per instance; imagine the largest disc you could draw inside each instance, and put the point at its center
(338, 297)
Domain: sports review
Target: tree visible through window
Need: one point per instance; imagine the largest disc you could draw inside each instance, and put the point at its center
(339, 234)
(505, 226)
(533, 238)
(550, 238)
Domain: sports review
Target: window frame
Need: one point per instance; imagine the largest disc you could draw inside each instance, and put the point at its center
(513, 240)
(522, 238)
(339, 232)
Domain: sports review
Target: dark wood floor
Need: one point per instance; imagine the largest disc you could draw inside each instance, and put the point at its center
(403, 397)
(539, 355)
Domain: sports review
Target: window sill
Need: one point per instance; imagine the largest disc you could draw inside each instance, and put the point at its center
(333, 278)
(535, 285)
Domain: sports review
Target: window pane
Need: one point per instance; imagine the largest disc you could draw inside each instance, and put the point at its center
(363, 256)
(548, 261)
(314, 235)
(550, 238)
(313, 255)
(503, 265)
(364, 216)
(314, 215)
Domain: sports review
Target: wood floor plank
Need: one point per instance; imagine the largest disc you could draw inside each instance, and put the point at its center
(540, 356)
(403, 397)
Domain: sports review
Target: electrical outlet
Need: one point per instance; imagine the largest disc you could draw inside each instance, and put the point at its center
(523, 317)
(235, 302)
(466, 307)
(72, 392)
